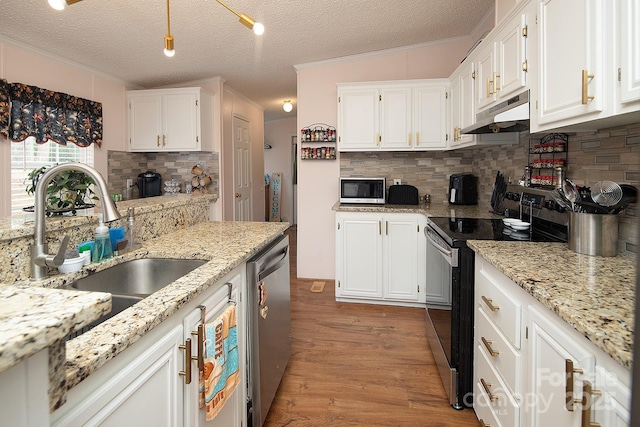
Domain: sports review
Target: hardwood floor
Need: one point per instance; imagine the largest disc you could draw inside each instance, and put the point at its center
(358, 365)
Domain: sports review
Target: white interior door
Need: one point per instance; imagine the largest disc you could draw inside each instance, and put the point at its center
(242, 188)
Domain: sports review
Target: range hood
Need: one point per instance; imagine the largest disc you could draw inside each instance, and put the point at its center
(511, 115)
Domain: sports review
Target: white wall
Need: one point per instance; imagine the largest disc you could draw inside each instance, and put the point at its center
(20, 64)
(317, 102)
(278, 133)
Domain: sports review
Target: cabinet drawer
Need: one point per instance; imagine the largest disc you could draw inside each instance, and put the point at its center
(504, 408)
(484, 412)
(505, 359)
(503, 309)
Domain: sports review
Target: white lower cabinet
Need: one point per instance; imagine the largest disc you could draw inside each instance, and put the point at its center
(146, 383)
(24, 399)
(380, 258)
(532, 369)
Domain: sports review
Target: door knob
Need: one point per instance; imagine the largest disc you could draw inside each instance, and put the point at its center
(238, 195)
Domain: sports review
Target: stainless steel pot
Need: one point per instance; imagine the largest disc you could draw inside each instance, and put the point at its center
(593, 234)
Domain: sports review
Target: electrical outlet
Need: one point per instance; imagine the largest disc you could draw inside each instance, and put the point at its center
(397, 181)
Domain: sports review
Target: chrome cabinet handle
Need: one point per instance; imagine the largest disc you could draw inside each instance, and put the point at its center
(489, 303)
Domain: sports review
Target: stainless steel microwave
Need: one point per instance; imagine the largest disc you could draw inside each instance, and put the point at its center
(363, 190)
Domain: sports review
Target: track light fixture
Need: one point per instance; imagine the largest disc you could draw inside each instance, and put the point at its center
(287, 106)
(168, 38)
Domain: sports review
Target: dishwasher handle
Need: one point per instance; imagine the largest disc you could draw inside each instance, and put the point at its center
(275, 266)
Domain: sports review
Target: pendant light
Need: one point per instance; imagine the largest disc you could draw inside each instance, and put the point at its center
(246, 20)
(168, 38)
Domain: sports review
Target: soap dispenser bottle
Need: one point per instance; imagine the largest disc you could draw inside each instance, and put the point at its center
(102, 247)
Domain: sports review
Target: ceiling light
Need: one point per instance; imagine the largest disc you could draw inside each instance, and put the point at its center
(246, 20)
(168, 38)
(288, 106)
(60, 4)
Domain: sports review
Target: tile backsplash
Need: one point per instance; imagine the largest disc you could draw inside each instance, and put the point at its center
(610, 154)
(171, 165)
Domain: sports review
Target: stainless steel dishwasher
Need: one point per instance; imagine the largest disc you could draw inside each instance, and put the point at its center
(269, 324)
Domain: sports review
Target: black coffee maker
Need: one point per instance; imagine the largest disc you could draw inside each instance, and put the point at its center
(149, 184)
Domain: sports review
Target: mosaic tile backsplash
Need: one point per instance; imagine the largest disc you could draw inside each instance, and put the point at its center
(176, 166)
(610, 154)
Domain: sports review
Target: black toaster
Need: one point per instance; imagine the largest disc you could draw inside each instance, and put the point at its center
(402, 194)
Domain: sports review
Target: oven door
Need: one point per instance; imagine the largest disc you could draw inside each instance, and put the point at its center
(442, 319)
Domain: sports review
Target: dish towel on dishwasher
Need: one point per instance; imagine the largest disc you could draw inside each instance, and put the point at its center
(221, 373)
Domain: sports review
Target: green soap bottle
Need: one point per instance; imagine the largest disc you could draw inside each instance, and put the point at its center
(102, 246)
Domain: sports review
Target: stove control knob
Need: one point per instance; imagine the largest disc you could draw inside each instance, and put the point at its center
(560, 208)
(550, 204)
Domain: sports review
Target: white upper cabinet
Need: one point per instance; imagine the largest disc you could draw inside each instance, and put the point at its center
(463, 111)
(406, 115)
(170, 120)
(501, 63)
(571, 71)
(358, 118)
(627, 29)
(430, 116)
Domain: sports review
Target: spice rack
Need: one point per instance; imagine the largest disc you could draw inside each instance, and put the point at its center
(318, 133)
(545, 157)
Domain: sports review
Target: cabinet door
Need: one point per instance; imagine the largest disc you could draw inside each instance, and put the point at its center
(181, 125)
(613, 408)
(395, 118)
(145, 123)
(511, 78)
(551, 381)
(358, 119)
(148, 391)
(626, 22)
(463, 107)
(400, 254)
(233, 412)
(430, 117)
(485, 67)
(359, 256)
(570, 45)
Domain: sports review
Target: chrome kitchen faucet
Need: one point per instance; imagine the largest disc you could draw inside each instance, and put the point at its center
(40, 258)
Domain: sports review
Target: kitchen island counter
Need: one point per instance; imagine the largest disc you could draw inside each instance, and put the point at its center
(595, 295)
(225, 245)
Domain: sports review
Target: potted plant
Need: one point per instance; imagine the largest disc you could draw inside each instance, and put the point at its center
(68, 191)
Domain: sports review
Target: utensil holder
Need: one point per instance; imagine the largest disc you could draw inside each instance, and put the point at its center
(593, 234)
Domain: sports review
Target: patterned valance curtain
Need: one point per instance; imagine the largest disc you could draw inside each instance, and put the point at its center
(47, 115)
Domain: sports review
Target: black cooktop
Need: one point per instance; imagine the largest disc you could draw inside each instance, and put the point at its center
(456, 231)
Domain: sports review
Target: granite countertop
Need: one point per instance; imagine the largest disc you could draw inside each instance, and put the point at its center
(22, 225)
(33, 318)
(432, 209)
(595, 295)
(41, 315)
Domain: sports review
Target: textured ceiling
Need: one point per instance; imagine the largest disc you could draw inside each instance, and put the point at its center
(124, 38)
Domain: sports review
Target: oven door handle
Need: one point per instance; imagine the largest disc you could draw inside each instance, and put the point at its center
(451, 255)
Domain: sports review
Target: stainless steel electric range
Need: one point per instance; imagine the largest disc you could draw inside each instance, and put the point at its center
(450, 265)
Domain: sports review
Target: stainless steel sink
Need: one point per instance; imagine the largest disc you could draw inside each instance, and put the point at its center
(131, 281)
(138, 277)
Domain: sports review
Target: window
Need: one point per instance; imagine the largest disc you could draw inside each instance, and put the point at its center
(27, 155)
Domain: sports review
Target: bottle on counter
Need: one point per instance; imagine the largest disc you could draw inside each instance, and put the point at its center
(102, 247)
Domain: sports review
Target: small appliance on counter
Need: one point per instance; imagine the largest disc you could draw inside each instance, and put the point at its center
(402, 194)
(149, 184)
(463, 189)
(363, 190)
